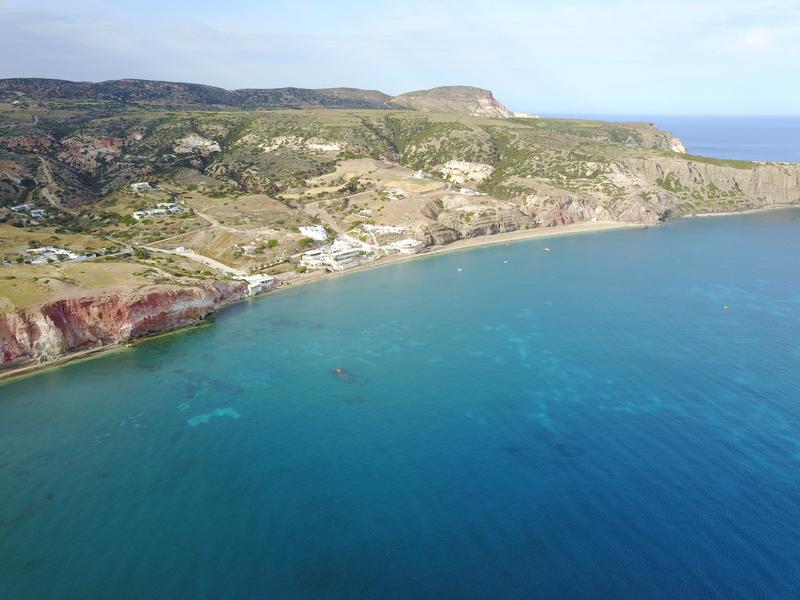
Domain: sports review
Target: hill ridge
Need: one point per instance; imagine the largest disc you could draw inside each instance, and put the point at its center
(457, 99)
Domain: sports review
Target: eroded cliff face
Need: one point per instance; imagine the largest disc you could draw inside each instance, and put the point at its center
(763, 185)
(645, 191)
(56, 328)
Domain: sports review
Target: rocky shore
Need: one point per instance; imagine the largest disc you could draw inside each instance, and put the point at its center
(108, 318)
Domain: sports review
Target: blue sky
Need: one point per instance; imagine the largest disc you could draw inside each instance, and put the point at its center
(571, 57)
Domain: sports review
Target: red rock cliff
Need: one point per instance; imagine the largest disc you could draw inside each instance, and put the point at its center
(105, 318)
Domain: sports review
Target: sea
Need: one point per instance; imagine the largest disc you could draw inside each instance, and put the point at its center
(759, 138)
(604, 415)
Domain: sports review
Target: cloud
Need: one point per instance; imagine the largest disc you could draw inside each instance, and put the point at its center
(662, 56)
(755, 38)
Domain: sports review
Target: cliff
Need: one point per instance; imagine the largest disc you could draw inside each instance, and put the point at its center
(453, 99)
(56, 328)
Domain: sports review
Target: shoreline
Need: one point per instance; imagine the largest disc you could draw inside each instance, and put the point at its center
(463, 244)
(317, 276)
(733, 213)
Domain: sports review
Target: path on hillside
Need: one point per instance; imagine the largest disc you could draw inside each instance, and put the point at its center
(48, 194)
(207, 261)
(216, 223)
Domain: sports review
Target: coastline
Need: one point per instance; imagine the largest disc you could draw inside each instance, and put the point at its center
(732, 213)
(464, 244)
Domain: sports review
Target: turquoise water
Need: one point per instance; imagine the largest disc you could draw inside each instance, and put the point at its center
(584, 422)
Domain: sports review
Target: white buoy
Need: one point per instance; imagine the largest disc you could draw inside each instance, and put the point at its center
(459, 270)
(505, 261)
(546, 249)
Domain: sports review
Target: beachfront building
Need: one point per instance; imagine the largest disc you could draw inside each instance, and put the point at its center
(258, 283)
(408, 246)
(339, 256)
(346, 259)
(314, 259)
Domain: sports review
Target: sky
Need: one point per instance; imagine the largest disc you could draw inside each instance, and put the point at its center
(636, 57)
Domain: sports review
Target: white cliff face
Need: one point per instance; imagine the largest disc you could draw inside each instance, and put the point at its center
(293, 142)
(461, 171)
(196, 144)
(676, 145)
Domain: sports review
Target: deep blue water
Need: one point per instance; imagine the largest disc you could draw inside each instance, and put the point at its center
(584, 422)
(742, 138)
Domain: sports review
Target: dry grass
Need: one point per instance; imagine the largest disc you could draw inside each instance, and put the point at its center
(247, 212)
(14, 240)
(26, 285)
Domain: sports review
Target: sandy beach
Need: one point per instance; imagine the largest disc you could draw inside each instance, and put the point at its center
(742, 212)
(465, 244)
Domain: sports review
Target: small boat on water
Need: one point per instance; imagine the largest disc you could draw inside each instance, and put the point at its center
(343, 374)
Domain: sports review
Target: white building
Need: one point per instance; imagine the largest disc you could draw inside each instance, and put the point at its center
(314, 259)
(48, 253)
(346, 259)
(408, 246)
(381, 229)
(418, 175)
(20, 208)
(258, 283)
(38, 213)
(337, 257)
(316, 232)
(162, 210)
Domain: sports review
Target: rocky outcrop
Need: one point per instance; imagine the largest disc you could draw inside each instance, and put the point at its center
(779, 183)
(196, 144)
(67, 325)
(455, 99)
(570, 209)
(87, 153)
(475, 221)
(461, 171)
(28, 143)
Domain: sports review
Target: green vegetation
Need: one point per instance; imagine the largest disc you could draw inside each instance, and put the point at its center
(671, 183)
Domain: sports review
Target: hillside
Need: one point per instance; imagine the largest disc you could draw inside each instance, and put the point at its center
(453, 99)
(244, 182)
(186, 95)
